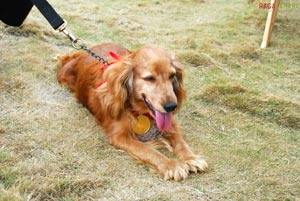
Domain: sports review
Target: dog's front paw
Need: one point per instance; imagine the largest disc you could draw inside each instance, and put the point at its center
(196, 163)
(174, 170)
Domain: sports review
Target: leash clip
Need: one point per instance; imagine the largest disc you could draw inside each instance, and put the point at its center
(63, 28)
(78, 44)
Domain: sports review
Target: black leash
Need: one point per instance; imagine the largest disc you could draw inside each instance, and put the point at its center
(59, 24)
(49, 13)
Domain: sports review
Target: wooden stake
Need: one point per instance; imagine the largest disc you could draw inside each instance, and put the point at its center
(270, 23)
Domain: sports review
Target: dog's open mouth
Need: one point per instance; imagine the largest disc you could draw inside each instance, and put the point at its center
(163, 120)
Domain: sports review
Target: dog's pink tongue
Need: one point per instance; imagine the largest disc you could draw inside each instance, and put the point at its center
(163, 120)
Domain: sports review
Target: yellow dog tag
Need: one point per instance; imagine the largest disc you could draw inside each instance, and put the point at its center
(141, 125)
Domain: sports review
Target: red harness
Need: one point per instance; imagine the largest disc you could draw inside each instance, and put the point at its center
(104, 67)
(136, 114)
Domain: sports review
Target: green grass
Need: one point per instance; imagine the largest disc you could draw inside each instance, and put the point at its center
(242, 110)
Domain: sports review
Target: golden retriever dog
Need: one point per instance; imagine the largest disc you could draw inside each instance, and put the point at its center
(134, 100)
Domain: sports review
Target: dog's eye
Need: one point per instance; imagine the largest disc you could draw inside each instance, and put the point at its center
(150, 78)
(172, 76)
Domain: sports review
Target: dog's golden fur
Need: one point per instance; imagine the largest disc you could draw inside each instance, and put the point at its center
(147, 74)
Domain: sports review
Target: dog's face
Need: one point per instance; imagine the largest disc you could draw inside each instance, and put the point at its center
(154, 76)
(147, 81)
(157, 84)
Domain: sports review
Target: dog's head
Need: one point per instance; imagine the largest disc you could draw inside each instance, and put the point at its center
(146, 81)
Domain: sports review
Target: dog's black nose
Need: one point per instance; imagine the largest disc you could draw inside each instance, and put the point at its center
(170, 106)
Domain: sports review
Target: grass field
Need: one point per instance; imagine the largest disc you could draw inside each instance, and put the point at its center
(242, 111)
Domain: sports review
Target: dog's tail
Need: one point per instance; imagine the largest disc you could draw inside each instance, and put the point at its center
(67, 72)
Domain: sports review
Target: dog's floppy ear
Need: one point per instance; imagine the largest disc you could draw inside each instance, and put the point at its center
(178, 83)
(115, 93)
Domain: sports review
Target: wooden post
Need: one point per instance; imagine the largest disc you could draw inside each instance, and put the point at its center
(270, 23)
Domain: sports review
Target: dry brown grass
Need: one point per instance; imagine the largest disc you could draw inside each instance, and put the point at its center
(270, 108)
(242, 111)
